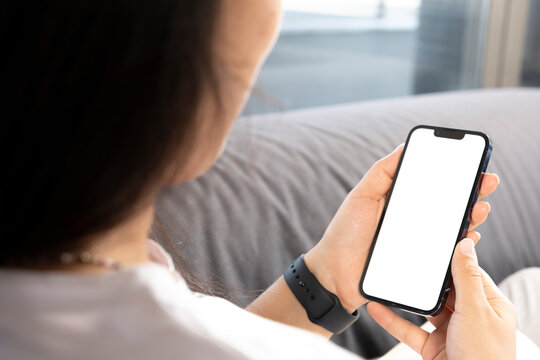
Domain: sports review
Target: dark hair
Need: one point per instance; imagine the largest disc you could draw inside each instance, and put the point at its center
(100, 96)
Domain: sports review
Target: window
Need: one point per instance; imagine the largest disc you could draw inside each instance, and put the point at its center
(338, 51)
(531, 59)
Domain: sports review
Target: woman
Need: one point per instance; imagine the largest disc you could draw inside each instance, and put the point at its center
(106, 102)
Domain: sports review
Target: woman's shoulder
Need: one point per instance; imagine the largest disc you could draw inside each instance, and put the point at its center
(137, 313)
(142, 312)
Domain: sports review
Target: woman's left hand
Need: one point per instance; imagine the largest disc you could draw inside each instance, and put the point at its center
(338, 259)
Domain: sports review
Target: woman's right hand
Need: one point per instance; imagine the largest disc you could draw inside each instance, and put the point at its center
(481, 326)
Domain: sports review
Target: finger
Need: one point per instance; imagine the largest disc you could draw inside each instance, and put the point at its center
(475, 236)
(498, 302)
(448, 310)
(479, 214)
(378, 179)
(401, 329)
(467, 278)
(491, 290)
(489, 184)
(451, 300)
(440, 319)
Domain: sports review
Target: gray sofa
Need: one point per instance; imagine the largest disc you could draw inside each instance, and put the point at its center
(276, 187)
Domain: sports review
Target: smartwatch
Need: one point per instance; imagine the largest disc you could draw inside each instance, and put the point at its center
(322, 307)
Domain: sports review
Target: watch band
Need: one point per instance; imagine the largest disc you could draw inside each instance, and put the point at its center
(322, 307)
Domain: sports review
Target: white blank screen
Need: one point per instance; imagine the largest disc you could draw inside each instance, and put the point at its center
(422, 221)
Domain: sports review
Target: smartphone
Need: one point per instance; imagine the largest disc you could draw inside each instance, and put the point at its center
(427, 212)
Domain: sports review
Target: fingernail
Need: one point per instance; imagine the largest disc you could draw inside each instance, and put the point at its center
(466, 246)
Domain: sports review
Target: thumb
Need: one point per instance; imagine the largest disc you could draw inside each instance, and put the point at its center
(377, 181)
(467, 277)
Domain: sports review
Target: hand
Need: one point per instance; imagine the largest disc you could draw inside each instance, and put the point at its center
(482, 325)
(338, 259)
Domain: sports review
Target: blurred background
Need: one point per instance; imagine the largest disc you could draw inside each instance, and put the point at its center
(339, 51)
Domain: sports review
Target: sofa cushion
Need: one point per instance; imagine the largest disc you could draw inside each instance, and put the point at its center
(283, 176)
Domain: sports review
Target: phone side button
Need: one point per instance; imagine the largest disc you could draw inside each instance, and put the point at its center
(465, 230)
(476, 196)
(472, 207)
(475, 199)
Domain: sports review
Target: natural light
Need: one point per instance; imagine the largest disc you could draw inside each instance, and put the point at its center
(347, 7)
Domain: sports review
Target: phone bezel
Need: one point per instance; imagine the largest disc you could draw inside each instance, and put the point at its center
(464, 223)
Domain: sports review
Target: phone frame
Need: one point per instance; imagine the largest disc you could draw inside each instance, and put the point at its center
(457, 134)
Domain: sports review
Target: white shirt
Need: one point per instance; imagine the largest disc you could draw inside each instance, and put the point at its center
(143, 312)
